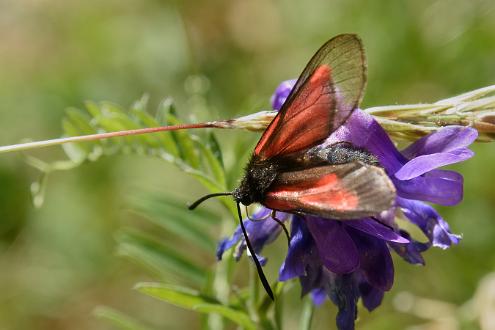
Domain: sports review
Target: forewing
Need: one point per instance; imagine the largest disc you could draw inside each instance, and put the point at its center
(349, 191)
(328, 90)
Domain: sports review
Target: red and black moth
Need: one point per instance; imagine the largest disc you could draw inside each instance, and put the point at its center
(291, 171)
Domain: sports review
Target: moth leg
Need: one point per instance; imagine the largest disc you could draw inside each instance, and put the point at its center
(274, 217)
(255, 219)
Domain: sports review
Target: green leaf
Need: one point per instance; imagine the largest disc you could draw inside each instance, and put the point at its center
(306, 314)
(198, 216)
(118, 319)
(235, 315)
(75, 151)
(118, 122)
(184, 142)
(179, 221)
(164, 109)
(93, 108)
(114, 118)
(141, 104)
(202, 177)
(211, 185)
(78, 123)
(194, 300)
(215, 147)
(199, 157)
(80, 120)
(163, 139)
(214, 165)
(266, 303)
(243, 154)
(157, 257)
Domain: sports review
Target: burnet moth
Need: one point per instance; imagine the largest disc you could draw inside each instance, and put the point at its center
(292, 171)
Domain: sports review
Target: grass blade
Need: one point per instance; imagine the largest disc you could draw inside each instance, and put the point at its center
(118, 319)
(194, 300)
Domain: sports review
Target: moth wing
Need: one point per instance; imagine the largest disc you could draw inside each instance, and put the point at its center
(330, 87)
(342, 192)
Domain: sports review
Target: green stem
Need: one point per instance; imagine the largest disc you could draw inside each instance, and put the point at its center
(101, 136)
(279, 311)
(306, 314)
(254, 286)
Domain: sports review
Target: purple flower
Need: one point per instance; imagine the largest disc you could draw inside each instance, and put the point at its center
(350, 260)
(281, 93)
(344, 260)
(413, 171)
(259, 232)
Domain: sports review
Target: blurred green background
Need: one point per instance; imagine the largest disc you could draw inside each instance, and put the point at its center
(58, 262)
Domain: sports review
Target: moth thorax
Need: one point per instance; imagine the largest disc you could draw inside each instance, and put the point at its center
(256, 181)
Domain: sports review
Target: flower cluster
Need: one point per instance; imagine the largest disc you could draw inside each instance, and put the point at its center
(348, 260)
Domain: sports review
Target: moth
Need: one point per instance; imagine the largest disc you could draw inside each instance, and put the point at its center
(291, 170)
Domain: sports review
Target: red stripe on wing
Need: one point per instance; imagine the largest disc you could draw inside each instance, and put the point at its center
(267, 134)
(305, 121)
(322, 73)
(346, 191)
(327, 91)
(325, 192)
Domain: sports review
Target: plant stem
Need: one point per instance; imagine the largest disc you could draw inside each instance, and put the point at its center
(475, 108)
(306, 314)
(254, 286)
(107, 135)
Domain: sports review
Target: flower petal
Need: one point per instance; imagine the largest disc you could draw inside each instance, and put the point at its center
(318, 296)
(302, 251)
(438, 186)
(344, 294)
(363, 131)
(313, 279)
(281, 93)
(335, 247)
(372, 297)
(429, 221)
(376, 229)
(422, 164)
(260, 233)
(375, 260)
(447, 139)
(227, 243)
(263, 232)
(410, 252)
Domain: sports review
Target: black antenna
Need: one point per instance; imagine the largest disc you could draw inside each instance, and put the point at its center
(202, 199)
(261, 275)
